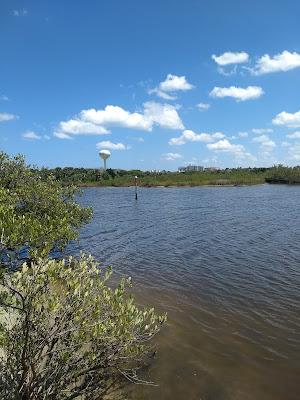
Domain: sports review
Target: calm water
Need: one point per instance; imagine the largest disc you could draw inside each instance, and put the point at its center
(224, 263)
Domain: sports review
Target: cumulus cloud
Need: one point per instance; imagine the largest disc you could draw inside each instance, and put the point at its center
(111, 146)
(30, 135)
(79, 127)
(265, 142)
(170, 85)
(227, 147)
(231, 58)
(203, 106)
(243, 134)
(7, 117)
(261, 131)
(173, 83)
(284, 61)
(238, 93)
(172, 156)
(190, 136)
(237, 150)
(163, 115)
(287, 119)
(115, 116)
(97, 122)
(294, 135)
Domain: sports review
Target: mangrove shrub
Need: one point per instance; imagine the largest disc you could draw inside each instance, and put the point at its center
(65, 334)
(36, 215)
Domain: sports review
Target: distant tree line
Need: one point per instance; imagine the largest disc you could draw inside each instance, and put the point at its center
(86, 175)
(121, 177)
(282, 174)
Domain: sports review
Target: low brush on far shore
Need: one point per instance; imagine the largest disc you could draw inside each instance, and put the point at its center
(95, 177)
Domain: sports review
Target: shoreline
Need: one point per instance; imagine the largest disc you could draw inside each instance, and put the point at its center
(170, 186)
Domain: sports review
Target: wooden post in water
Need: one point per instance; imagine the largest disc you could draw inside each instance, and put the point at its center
(136, 185)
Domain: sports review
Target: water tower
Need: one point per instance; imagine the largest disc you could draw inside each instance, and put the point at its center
(104, 154)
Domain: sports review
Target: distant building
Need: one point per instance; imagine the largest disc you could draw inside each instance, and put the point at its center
(190, 168)
(212, 169)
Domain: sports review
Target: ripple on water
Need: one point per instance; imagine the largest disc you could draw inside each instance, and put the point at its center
(224, 264)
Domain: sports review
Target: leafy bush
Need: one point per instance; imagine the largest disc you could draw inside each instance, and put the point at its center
(35, 214)
(65, 334)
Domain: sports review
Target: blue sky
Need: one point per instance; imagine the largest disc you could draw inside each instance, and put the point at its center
(160, 83)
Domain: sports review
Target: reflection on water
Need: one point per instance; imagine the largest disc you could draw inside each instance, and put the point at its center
(224, 263)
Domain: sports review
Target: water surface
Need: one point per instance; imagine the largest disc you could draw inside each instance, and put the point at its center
(224, 264)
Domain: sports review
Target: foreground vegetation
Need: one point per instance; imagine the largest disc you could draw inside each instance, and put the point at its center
(65, 332)
(36, 215)
(238, 176)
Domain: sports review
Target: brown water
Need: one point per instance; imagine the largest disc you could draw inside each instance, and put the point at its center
(224, 263)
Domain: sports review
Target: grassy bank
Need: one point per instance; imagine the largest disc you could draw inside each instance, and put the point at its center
(87, 177)
(183, 179)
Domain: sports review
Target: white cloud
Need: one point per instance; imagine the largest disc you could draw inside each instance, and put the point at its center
(238, 150)
(7, 117)
(294, 135)
(284, 61)
(173, 83)
(238, 93)
(203, 106)
(79, 127)
(170, 85)
(4, 98)
(190, 136)
(162, 94)
(265, 142)
(61, 135)
(261, 131)
(243, 134)
(231, 58)
(172, 156)
(287, 119)
(20, 13)
(163, 115)
(116, 116)
(30, 135)
(96, 122)
(225, 146)
(112, 146)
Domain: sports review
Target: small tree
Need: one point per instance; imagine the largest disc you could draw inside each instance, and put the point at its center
(65, 334)
(36, 215)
